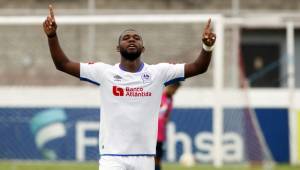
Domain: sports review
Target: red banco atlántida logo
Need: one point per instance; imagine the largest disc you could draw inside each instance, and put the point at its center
(130, 91)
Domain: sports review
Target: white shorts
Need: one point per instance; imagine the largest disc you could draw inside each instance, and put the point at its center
(126, 163)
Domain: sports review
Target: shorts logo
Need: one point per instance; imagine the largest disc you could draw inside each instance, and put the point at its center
(117, 91)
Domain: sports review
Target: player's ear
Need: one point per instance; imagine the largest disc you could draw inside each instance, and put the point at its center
(143, 49)
(118, 48)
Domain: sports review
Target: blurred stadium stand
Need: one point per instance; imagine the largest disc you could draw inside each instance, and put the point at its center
(26, 59)
(216, 5)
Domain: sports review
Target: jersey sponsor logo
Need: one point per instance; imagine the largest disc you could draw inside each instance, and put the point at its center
(130, 92)
(91, 62)
(118, 91)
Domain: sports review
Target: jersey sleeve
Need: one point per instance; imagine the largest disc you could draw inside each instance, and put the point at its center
(92, 72)
(171, 72)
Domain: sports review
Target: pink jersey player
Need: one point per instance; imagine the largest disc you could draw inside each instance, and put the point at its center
(166, 107)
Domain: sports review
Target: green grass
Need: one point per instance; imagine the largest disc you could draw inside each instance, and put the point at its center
(19, 165)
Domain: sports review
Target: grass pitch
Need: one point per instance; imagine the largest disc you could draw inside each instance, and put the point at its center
(26, 165)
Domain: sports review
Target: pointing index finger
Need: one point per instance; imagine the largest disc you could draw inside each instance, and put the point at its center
(208, 24)
(51, 11)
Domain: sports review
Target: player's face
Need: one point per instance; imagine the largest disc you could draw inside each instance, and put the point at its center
(130, 45)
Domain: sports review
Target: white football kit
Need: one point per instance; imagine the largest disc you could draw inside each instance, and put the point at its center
(130, 105)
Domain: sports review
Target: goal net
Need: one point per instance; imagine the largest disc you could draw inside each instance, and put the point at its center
(244, 120)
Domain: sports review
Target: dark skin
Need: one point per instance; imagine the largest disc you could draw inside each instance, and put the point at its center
(130, 41)
(131, 37)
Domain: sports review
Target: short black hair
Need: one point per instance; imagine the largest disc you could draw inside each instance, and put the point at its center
(128, 29)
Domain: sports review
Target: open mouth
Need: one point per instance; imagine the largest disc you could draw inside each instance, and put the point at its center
(132, 46)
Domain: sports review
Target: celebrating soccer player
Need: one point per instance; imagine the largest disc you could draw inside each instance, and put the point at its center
(130, 92)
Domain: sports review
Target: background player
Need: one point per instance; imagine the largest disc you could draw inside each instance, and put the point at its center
(166, 107)
(130, 93)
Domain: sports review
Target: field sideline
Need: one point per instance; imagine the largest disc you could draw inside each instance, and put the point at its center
(20, 165)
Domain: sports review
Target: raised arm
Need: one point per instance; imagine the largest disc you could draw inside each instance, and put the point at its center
(201, 64)
(60, 60)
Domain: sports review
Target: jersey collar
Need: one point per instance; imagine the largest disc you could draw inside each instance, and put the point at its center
(139, 69)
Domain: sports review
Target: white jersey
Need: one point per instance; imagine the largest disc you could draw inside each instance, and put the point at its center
(130, 105)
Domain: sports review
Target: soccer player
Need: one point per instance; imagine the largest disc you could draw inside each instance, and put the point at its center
(130, 93)
(166, 107)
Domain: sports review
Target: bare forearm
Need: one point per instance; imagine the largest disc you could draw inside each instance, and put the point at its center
(60, 60)
(203, 60)
(57, 54)
(200, 65)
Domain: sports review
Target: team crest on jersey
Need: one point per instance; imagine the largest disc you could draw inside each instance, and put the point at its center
(146, 77)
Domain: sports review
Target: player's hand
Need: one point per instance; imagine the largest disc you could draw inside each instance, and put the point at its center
(50, 24)
(208, 37)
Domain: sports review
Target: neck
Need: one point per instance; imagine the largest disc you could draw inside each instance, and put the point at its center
(130, 66)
